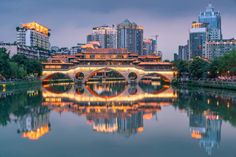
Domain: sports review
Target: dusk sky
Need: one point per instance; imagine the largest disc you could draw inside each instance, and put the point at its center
(71, 20)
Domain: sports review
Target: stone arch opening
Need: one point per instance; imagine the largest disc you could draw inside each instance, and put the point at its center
(154, 77)
(132, 76)
(79, 76)
(153, 89)
(105, 74)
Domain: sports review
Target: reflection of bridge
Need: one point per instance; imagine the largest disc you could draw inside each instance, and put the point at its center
(87, 64)
(122, 112)
(125, 96)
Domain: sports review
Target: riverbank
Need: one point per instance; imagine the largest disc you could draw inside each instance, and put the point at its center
(11, 85)
(208, 84)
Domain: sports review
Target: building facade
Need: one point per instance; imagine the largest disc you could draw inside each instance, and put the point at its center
(29, 52)
(198, 36)
(33, 35)
(149, 46)
(183, 53)
(213, 19)
(218, 48)
(105, 35)
(130, 36)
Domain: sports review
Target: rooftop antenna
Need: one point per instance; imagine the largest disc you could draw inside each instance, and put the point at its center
(210, 6)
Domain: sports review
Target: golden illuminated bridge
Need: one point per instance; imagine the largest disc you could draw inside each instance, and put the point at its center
(86, 65)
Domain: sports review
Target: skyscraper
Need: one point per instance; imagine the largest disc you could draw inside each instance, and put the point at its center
(213, 19)
(197, 39)
(105, 35)
(183, 53)
(130, 36)
(33, 35)
(149, 46)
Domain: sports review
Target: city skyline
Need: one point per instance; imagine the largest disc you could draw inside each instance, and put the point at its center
(152, 15)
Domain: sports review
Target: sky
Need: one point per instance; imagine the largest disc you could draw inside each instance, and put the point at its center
(71, 20)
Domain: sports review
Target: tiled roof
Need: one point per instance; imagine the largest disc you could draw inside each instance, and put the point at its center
(108, 50)
(149, 57)
(155, 63)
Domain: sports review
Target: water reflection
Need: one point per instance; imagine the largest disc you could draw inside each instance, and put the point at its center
(120, 109)
(206, 128)
(111, 108)
(25, 109)
(207, 109)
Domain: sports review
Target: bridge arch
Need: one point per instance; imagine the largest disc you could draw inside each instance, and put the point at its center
(162, 77)
(49, 77)
(132, 76)
(93, 73)
(79, 76)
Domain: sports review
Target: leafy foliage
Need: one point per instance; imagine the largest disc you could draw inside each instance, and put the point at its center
(200, 68)
(18, 66)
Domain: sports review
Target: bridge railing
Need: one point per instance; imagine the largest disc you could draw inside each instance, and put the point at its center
(104, 66)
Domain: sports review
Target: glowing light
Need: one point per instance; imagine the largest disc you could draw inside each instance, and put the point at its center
(36, 134)
(196, 135)
(37, 27)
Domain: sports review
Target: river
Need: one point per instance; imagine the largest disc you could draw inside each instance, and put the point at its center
(118, 120)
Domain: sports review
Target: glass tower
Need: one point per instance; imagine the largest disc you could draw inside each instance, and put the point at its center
(213, 19)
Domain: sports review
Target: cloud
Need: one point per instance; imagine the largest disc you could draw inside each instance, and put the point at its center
(71, 20)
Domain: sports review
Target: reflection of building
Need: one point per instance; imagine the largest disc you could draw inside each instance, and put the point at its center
(35, 124)
(130, 36)
(131, 125)
(207, 129)
(104, 125)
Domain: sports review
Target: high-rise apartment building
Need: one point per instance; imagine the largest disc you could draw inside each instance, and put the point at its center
(218, 48)
(198, 36)
(130, 36)
(213, 19)
(149, 46)
(183, 53)
(33, 35)
(105, 35)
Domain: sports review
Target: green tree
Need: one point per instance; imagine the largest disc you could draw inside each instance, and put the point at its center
(30, 65)
(214, 68)
(14, 69)
(4, 63)
(182, 67)
(199, 68)
(22, 73)
(227, 62)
